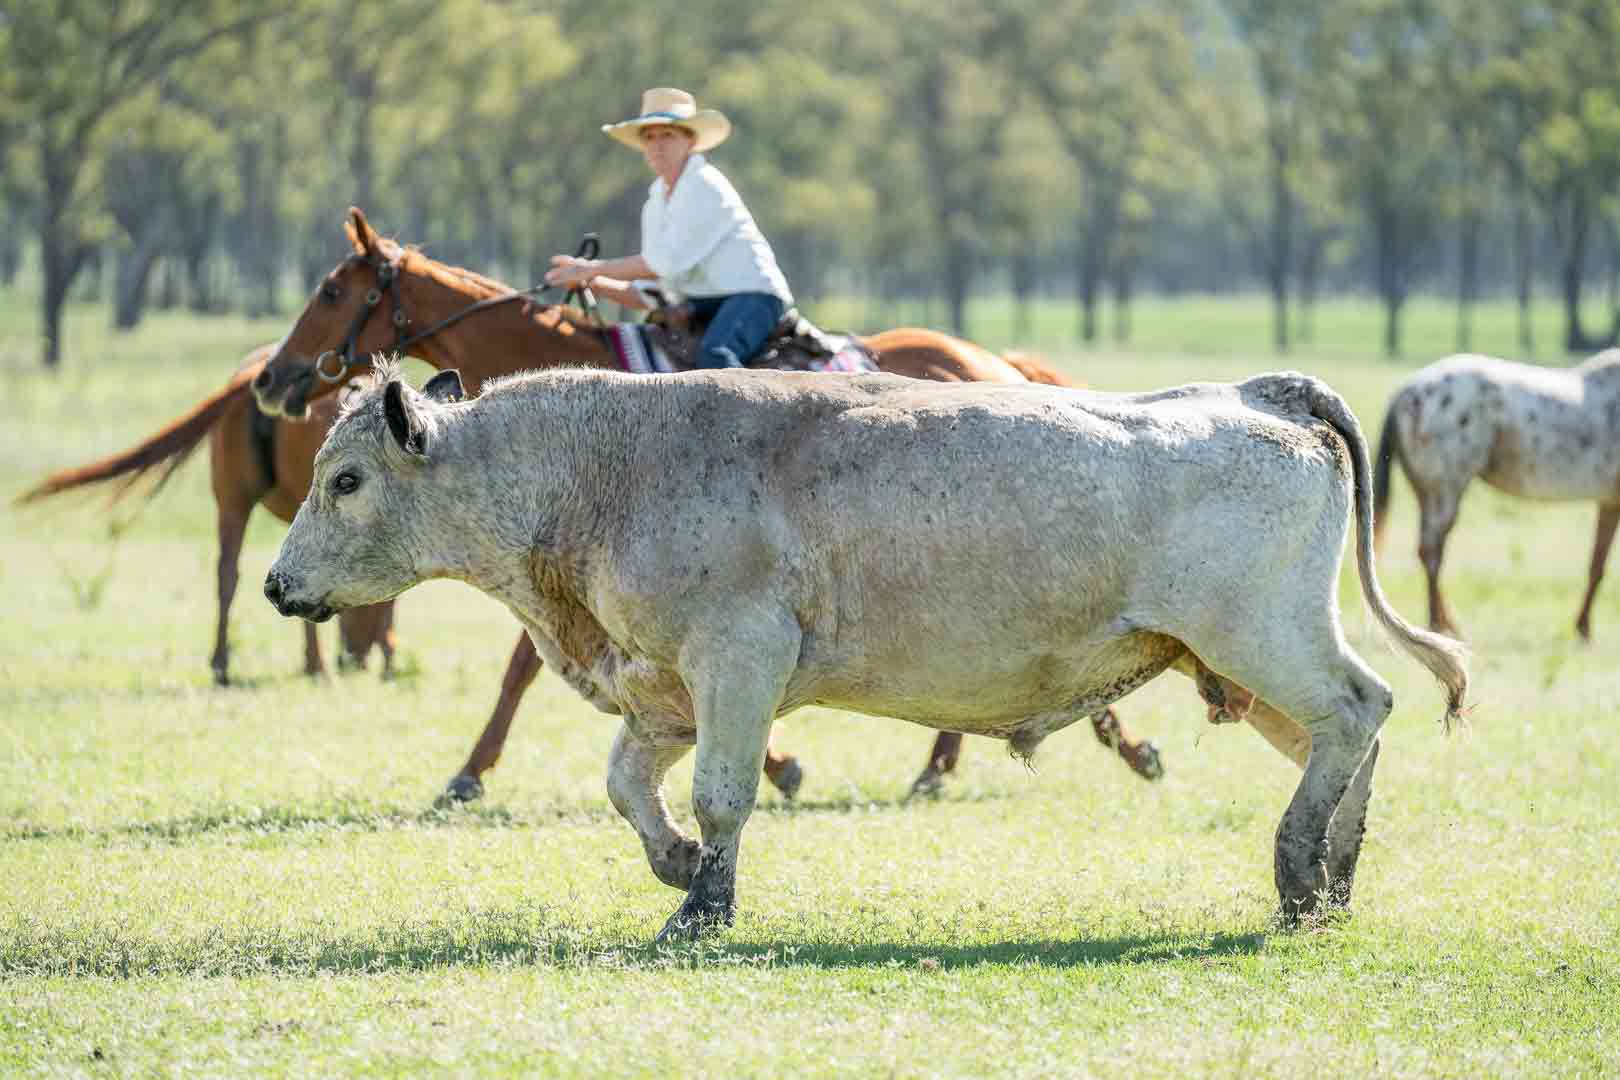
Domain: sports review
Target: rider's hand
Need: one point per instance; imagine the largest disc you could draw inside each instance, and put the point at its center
(566, 270)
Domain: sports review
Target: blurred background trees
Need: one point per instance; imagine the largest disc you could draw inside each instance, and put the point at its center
(202, 152)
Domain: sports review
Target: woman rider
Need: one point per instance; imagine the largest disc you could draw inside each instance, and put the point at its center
(698, 240)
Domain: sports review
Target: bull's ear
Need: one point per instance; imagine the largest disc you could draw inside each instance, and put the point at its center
(404, 423)
(445, 386)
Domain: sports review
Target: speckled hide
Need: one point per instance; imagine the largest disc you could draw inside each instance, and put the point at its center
(1541, 433)
(709, 550)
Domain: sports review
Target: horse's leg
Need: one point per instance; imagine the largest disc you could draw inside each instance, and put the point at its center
(1142, 755)
(782, 770)
(941, 760)
(385, 639)
(1439, 513)
(521, 670)
(1608, 518)
(313, 667)
(233, 518)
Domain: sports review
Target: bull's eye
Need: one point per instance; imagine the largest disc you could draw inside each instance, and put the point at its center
(330, 292)
(345, 483)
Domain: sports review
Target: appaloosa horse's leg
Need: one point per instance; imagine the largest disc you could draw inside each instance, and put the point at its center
(1439, 513)
(1608, 518)
(233, 519)
(783, 770)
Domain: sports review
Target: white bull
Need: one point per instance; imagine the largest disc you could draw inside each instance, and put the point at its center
(704, 552)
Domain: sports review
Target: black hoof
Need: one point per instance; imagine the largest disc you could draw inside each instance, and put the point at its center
(1148, 765)
(789, 779)
(930, 783)
(695, 920)
(462, 789)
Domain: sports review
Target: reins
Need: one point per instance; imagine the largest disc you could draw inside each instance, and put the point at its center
(388, 271)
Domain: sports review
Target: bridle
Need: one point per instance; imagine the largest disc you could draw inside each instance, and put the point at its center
(388, 271)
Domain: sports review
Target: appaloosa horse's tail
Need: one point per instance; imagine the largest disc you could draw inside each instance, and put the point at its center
(168, 449)
(1383, 461)
(1445, 657)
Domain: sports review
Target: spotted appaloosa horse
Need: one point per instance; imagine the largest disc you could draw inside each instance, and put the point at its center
(1542, 433)
(384, 297)
(253, 460)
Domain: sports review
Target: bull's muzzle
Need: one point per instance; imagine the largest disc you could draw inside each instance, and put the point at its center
(279, 590)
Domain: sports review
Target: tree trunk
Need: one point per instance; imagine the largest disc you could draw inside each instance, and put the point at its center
(1278, 265)
(1575, 339)
(1467, 278)
(133, 273)
(956, 287)
(1524, 258)
(1023, 287)
(1124, 280)
(60, 254)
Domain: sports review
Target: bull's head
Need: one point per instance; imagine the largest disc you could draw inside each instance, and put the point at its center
(366, 532)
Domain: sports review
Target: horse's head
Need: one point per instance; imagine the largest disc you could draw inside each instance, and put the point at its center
(358, 309)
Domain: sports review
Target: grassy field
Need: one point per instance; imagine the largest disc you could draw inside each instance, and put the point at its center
(196, 880)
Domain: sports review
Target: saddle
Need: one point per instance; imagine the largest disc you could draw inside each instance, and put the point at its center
(668, 342)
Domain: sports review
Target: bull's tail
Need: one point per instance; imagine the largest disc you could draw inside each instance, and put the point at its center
(1389, 445)
(1037, 370)
(166, 450)
(1445, 657)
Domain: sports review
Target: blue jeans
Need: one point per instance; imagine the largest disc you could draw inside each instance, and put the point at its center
(739, 325)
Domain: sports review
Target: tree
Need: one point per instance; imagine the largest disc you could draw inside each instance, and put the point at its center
(66, 68)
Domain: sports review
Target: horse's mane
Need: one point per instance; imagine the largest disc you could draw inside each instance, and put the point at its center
(480, 286)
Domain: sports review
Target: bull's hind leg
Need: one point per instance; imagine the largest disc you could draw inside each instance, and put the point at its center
(1608, 518)
(1308, 682)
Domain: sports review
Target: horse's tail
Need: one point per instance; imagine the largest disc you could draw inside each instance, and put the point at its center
(1037, 370)
(1445, 657)
(168, 449)
(1389, 444)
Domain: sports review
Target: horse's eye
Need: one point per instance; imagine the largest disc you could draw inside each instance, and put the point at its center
(345, 483)
(330, 292)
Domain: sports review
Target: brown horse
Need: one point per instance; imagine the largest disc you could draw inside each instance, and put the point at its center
(454, 318)
(253, 459)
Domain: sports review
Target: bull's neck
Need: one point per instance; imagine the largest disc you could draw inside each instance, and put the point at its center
(517, 335)
(531, 474)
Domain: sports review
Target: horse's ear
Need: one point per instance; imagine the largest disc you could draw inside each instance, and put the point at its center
(404, 423)
(361, 234)
(445, 386)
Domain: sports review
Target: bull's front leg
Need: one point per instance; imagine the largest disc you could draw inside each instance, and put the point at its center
(734, 709)
(635, 783)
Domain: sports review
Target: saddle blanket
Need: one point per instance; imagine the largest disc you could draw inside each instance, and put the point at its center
(639, 353)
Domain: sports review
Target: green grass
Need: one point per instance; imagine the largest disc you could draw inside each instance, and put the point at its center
(254, 879)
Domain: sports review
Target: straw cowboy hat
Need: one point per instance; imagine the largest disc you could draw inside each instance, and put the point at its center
(666, 105)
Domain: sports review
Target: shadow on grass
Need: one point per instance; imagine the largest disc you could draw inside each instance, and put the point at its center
(355, 818)
(518, 938)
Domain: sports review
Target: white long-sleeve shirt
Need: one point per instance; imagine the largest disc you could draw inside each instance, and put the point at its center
(702, 241)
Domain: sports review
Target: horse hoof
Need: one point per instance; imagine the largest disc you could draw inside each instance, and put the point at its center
(221, 677)
(930, 783)
(1147, 764)
(462, 789)
(695, 920)
(788, 780)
